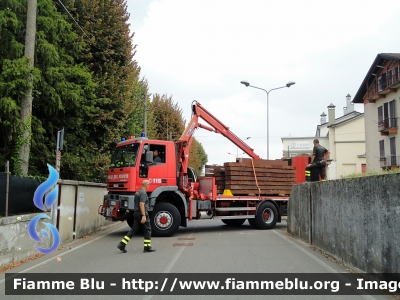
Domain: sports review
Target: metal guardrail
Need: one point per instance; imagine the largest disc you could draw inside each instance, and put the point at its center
(387, 123)
(389, 161)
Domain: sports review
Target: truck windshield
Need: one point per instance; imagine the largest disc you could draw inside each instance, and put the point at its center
(124, 156)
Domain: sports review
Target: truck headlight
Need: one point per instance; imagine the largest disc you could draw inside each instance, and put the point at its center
(113, 203)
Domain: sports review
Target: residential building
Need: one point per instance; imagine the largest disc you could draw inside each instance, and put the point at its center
(344, 138)
(380, 94)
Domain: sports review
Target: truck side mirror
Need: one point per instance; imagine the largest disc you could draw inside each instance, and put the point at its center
(149, 156)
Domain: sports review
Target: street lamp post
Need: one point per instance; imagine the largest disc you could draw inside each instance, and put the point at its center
(247, 84)
(145, 110)
(145, 116)
(233, 154)
(237, 149)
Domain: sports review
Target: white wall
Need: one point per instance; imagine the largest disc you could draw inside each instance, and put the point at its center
(347, 142)
(78, 211)
(350, 143)
(301, 145)
(373, 136)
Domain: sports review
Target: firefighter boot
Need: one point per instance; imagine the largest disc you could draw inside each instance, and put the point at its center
(308, 175)
(147, 245)
(148, 249)
(121, 246)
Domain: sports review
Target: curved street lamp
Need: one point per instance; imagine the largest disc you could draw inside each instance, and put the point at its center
(237, 148)
(247, 84)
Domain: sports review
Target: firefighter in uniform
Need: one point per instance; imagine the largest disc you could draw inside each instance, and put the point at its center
(140, 219)
(317, 161)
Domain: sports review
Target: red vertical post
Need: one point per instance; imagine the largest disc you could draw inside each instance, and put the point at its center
(300, 162)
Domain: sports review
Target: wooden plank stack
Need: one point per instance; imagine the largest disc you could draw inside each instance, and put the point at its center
(274, 177)
(219, 173)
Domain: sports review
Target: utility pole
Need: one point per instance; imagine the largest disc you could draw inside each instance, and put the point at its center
(59, 147)
(167, 129)
(26, 100)
(7, 185)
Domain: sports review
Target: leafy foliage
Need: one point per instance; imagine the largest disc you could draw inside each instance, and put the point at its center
(198, 157)
(12, 86)
(170, 125)
(167, 117)
(85, 80)
(82, 85)
(109, 55)
(370, 173)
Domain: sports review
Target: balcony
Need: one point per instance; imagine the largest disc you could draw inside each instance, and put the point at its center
(389, 162)
(387, 126)
(387, 84)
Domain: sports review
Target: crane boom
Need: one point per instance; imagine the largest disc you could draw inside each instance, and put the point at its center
(198, 111)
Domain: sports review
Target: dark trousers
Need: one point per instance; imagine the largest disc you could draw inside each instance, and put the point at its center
(318, 166)
(137, 217)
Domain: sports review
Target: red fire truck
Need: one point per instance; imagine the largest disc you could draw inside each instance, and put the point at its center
(176, 194)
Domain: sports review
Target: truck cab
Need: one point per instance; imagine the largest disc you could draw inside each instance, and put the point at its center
(131, 163)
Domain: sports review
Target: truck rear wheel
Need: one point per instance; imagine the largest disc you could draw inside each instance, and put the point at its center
(165, 220)
(267, 216)
(233, 222)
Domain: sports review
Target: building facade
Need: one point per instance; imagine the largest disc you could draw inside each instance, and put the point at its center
(380, 94)
(344, 137)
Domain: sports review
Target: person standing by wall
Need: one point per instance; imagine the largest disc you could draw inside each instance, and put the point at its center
(317, 161)
(140, 219)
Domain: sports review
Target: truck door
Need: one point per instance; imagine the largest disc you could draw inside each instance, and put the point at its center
(157, 171)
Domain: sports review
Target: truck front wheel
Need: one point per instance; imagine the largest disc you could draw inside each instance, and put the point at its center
(267, 216)
(165, 220)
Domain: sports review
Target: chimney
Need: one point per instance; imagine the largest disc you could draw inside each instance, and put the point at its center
(331, 113)
(349, 105)
(323, 118)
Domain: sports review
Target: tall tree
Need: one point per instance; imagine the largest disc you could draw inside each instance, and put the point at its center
(64, 96)
(134, 124)
(167, 117)
(62, 89)
(198, 157)
(170, 125)
(14, 70)
(109, 55)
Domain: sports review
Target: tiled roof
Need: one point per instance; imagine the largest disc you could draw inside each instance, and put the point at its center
(392, 54)
(358, 98)
(356, 116)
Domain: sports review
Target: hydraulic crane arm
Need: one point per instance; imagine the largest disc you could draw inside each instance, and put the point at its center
(219, 127)
(198, 111)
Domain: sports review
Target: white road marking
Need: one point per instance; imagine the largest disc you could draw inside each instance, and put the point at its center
(313, 257)
(168, 268)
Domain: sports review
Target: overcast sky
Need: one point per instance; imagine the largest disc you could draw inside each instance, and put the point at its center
(202, 49)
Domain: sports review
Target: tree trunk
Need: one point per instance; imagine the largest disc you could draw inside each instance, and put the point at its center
(26, 100)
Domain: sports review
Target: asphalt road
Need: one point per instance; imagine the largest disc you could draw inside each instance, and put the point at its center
(209, 246)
